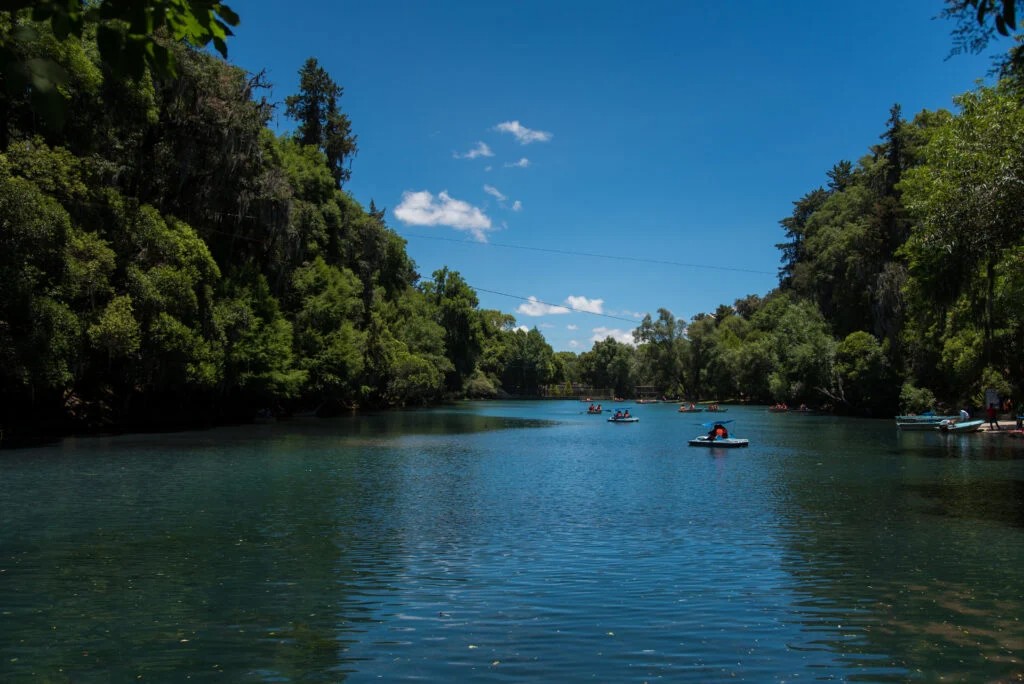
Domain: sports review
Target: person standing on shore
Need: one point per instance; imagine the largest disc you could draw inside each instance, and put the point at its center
(991, 413)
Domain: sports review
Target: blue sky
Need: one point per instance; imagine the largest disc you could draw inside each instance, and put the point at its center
(672, 136)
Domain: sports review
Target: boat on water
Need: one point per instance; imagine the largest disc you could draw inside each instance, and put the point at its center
(631, 419)
(721, 442)
(924, 417)
(718, 436)
(691, 408)
(961, 426)
(923, 421)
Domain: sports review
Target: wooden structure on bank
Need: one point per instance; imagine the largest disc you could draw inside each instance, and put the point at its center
(647, 393)
(577, 391)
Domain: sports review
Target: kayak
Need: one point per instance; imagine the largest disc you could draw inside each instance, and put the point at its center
(631, 419)
(723, 442)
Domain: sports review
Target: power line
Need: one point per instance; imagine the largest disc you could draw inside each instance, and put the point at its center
(590, 254)
(560, 306)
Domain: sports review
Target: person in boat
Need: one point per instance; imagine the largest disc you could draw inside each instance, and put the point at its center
(618, 414)
(964, 415)
(718, 432)
(626, 414)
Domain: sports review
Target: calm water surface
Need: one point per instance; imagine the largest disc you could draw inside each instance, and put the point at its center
(515, 541)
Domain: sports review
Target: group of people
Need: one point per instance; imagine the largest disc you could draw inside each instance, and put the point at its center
(595, 409)
(619, 415)
(991, 415)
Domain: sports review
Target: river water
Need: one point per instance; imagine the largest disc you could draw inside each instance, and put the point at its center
(513, 541)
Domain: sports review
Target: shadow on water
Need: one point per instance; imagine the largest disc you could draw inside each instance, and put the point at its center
(906, 549)
(994, 500)
(976, 446)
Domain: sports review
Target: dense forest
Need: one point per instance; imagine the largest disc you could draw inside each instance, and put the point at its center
(166, 259)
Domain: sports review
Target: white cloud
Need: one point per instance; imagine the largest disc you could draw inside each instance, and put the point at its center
(481, 150)
(502, 199)
(422, 209)
(584, 304)
(572, 326)
(521, 164)
(623, 336)
(494, 192)
(488, 167)
(524, 135)
(523, 328)
(533, 307)
(573, 343)
(626, 312)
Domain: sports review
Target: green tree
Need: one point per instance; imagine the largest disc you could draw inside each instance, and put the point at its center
(456, 305)
(665, 338)
(966, 200)
(130, 35)
(321, 123)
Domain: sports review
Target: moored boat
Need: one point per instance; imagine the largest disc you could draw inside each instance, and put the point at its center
(924, 421)
(963, 426)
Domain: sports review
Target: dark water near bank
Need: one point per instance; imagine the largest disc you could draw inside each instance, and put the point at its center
(515, 541)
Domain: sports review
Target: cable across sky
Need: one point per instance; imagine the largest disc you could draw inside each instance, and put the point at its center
(560, 306)
(592, 255)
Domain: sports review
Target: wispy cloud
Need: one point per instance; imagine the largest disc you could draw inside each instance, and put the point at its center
(502, 199)
(495, 193)
(524, 135)
(574, 343)
(572, 326)
(481, 150)
(533, 307)
(521, 164)
(626, 312)
(623, 336)
(423, 209)
(584, 304)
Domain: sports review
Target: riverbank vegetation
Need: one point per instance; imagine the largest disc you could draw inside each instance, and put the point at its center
(168, 260)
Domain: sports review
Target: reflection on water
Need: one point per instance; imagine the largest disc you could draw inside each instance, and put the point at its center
(513, 541)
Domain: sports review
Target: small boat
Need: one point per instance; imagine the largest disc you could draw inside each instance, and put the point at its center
(965, 426)
(690, 409)
(721, 442)
(926, 417)
(631, 419)
(925, 421)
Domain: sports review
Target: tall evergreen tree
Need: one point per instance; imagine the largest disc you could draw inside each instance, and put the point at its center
(321, 123)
